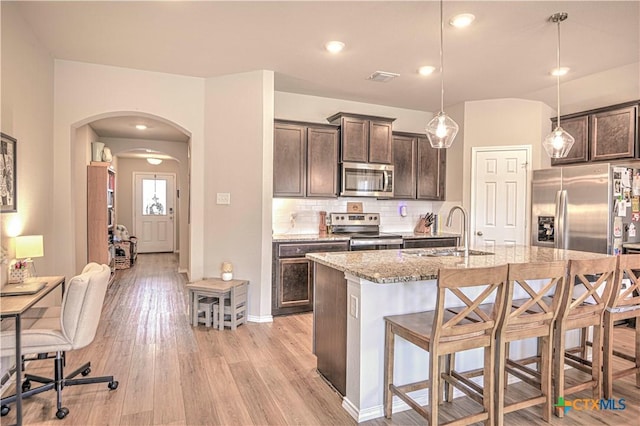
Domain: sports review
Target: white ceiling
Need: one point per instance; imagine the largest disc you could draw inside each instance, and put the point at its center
(508, 51)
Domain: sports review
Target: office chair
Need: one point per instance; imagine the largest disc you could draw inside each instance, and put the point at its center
(74, 328)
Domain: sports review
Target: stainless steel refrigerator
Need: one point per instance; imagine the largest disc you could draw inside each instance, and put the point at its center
(592, 207)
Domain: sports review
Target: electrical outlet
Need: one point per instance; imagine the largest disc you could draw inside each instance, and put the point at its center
(223, 198)
(353, 306)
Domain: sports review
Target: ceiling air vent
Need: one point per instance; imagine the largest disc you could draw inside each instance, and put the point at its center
(383, 76)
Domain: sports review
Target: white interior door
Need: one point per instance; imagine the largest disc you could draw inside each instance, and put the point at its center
(499, 196)
(154, 211)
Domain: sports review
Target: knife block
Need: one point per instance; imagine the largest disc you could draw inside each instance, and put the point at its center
(422, 227)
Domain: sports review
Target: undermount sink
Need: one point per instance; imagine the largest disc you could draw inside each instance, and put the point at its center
(448, 252)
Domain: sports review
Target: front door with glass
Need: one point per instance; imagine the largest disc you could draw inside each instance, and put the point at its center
(154, 212)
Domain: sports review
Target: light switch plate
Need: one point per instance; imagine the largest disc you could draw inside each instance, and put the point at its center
(223, 198)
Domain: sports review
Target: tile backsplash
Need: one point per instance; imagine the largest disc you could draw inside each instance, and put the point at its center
(302, 215)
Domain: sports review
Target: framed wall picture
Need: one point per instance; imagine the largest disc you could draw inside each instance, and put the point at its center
(8, 167)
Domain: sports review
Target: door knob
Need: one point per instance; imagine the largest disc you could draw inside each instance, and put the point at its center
(479, 233)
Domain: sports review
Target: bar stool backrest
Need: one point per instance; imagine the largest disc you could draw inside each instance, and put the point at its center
(538, 287)
(626, 294)
(468, 288)
(589, 286)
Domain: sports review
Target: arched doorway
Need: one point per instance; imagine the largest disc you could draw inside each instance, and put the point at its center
(130, 147)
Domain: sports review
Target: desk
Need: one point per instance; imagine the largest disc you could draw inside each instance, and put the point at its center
(14, 307)
(212, 287)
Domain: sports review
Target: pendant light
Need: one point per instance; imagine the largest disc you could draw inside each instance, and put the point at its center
(558, 143)
(441, 130)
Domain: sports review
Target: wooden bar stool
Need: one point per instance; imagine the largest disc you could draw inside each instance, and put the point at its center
(624, 304)
(588, 290)
(531, 315)
(441, 332)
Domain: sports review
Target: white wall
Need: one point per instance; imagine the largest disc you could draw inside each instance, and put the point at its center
(27, 115)
(315, 109)
(602, 89)
(504, 122)
(239, 153)
(85, 92)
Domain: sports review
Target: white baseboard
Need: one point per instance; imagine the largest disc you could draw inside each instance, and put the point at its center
(421, 397)
(260, 318)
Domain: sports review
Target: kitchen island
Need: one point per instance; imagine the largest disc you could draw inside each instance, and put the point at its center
(354, 291)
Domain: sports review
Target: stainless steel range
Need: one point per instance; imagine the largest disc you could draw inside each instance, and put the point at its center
(364, 231)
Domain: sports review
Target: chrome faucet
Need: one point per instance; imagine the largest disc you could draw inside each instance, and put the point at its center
(465, 227)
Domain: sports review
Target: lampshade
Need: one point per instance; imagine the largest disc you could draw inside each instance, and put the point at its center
(558, 143)
(29, 246)
(441, 130)
(154, 161)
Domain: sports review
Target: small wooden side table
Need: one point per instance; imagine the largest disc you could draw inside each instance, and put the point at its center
(211, 287)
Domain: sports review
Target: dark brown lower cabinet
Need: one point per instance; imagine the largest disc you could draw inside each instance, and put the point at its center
(294, 283)
(292, 276)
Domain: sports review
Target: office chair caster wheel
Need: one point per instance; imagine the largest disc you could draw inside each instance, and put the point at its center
(86, 371)
(5, 410)
(26, 385)
(62, 413)
(113, 385)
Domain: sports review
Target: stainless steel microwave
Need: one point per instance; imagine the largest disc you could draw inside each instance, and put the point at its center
(367, 180)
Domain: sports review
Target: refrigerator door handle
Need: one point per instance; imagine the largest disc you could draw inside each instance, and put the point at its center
(561, 217)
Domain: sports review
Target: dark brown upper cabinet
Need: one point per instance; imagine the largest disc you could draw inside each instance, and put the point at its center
(602, 134)
(614, 134)
(578, 127)
(431, 171)
(305, 159)
(322, 161)
(404, 162)
(419, 169)
(364, 139)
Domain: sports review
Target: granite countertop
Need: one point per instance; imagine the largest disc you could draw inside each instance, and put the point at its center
(342, 237)
(413, 235)
(309, 237)
(392, 266)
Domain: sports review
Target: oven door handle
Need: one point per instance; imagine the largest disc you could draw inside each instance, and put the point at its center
(360, 242)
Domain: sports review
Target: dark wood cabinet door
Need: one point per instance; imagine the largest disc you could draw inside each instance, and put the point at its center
(380, 142)
(431, 171)
(578, 127)
(404, 171)
(322, 162)
(289, 169)
(355, 139)
(614, 134)
(295, 284)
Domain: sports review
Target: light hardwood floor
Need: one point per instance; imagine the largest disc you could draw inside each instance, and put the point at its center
(261, 374)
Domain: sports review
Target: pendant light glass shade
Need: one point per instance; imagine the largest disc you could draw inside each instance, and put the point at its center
(441, 130)
(558, 143)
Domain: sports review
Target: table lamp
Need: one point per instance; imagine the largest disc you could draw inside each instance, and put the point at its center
(28, 247)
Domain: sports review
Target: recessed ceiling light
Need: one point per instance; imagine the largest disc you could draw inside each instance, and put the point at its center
(560, 71)
(141, 126)
(426, 70)
(462, 20)
(334, 46)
